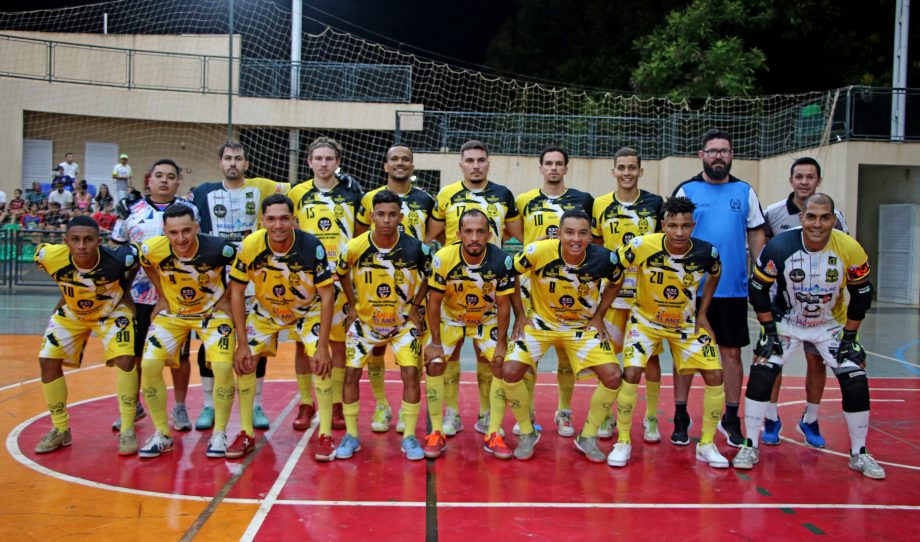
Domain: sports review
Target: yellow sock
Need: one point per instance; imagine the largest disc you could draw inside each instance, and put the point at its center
(530, 381)
(323, 387)
(56, 397)
(338, 382)
(410, 417)
(496, 405)
(305, 388)
(602, 401)
(484, 380)
(565, 377)
(434, 391)
(376, 373)
(154, 388)
(519, 401)
(713, 403)
(452, 385)
(224, 389)
(351, 417)
(626, 406)
(652, 392)
(126, 387)
(246, 384)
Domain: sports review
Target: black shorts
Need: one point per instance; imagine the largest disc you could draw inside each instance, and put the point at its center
(728, 317)
(142, 315)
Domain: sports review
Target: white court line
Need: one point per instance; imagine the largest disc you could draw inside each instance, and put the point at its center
(847, 455)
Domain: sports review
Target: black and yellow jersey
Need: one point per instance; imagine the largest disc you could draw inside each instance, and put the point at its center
(89, 294)
(192, 287)
(416, 208)
(285, 284)
(564, 297)
(327, 214)
(810, 284)
(495, 200)
(470, 291)
(541, 213)
(617, 222)
(385, 280)
(666, 284)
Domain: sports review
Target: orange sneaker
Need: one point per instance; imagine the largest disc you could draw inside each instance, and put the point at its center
(324, 450)
(304, 417)
(338, 417)
(243, 444)
(495, 445)
(435, 444)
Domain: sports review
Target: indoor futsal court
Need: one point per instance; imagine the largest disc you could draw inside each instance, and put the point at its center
(86, 491)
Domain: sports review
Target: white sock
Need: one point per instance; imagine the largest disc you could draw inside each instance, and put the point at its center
(258, 396)
(858, 426)
(811, 413)
(754, 413)
(772, 413)
(207, 387)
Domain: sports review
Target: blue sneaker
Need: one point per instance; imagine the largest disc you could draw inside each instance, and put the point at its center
(259, 419)
(412, 449)
(205, 420)
(812, 434)
(771, 432)
(349, 445)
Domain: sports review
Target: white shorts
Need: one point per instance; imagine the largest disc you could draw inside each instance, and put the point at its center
(824, 339)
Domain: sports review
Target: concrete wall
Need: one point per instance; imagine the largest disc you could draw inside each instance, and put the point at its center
(878, 185)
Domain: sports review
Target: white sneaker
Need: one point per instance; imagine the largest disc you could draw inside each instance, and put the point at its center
(747, 456)
(156, 445)
(482, 423)
(563, 420)
(608, 426)
(452, 424)
(380, 423)
(400, 422)
(709, 453)
(620, 454)
(866, 464)
(533, 421)
(217, 445)
(650, 430)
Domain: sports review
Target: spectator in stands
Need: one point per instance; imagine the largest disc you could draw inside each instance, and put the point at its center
(56, 219)
(122, 175)
(2, 200)
(64, 179)
(17, 203)
(61, 196)
(35, 194)
(103, 198)
(106, 218)
(71, 169)
(83, 199)
(32, 220)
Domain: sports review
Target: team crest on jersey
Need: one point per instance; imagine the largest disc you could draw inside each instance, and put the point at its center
(832, 275)
(583, 289)
(187, 293)
(122, 322)
(203, 279)
(735, 204)
(398, 277)
(324, 224)
(797, 275)
(294, 280)
(487, 288)
(279, 290)
(338, 211)
(552, 231)
(472, 299)
(250, 206)
(687, 280)
(643, 226)
(770, 268)
(412, 218)
(220, 211)
(567, 301)
(384, 291)
(225, 330)
(100, 290)
(85, 304)
(671, 292)
(491, 210)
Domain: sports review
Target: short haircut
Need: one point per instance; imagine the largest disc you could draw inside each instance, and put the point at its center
(171, 162)
(574, 213)
(83, 220)
(386, 156)
(233, 145)
(473, 144)
(276, 199)
(386, 196)
(627, 151)
(818, 198)
(328, 143)
(472, 212)
(554, 148)
(678, 205)
(715, 133)
(805, 161)
(177, 210)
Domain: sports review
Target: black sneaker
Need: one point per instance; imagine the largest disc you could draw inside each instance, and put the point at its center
(731, 428)
(681, 434)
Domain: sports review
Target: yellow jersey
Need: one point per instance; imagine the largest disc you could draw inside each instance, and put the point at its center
(416, 208)
(495, 200)
(329, 214)
(470, 291)
(541, 213)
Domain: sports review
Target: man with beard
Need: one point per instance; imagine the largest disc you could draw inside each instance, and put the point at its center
(727, 215)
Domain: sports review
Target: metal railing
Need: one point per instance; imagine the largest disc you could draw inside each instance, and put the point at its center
(17, 251)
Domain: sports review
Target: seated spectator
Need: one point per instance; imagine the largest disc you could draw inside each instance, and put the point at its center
(82, 199)
(106, 217)
(16, 204)
(56, 219)
(60, 177)
(2, 200)
(61, 196)
(32, 220)
(35, 194)
(103, 197)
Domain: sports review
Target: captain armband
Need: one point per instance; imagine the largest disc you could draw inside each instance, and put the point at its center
(759, 294)
(860, 300)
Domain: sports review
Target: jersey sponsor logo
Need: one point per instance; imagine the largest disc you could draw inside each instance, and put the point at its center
(225, 330)
(228, 251)
(279, 290)
(122, 322)
(85, 304)
(472, 299)
(187, 293)
(324, 224)
(384, 291)
(567, 301)
(735, 205)
(832, 260)
(552, 231)
(508, 263)
(856, 272)
(771, 268)
(220, 211)
(315, 329)
(832, 275)
(797, 275)
(320, 252)
(250, 206)
(671, 292)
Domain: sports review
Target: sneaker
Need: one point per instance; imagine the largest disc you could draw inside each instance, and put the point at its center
(347, 448)
(53, 440)
(217, 445)
(747, 457)
(526, 443)
(400, 422)
(452, 424)
(156, 445)
(812, 434)
(709, 453)
(338, 417)
(771, 429)
(412, 448)
(435, 443)
(563, 421)
(607, 427)
(242, 445)
(205, 420)
(620, 454)
(127, 442)
(495, 445)
(139, 414)
(650, 432)
(732, 431)
(482, 423)
(866, 464)
(516, 430)
(324, 450)
(383, 415)
(681, 434)
(180, 419)
(304, 417)
(588, 445)
(259, 419)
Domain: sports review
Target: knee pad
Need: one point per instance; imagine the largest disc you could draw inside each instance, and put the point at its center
(203, 368)
(260, 367)
(760, 381)
(854, 386)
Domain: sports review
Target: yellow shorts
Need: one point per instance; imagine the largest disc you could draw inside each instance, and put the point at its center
(485, 338)
(337, 333)
(168, 332)
(691, 351)
(361, 339)
(583, 349)
(66, 336)
(615, 321)
(262, 333)
(524, 282)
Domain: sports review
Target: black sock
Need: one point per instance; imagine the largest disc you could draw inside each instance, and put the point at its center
(680, 408)
(731, 412)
